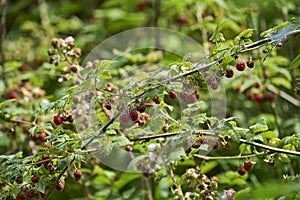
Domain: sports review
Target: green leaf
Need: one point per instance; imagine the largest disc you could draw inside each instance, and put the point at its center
(33, 130)
(207, 167)
(284, 157)
(105, 75)
(12, 65)
(40, 186)
(120, 141)
(259, 126)
(279, 81)
(295, 63)
(6, 102)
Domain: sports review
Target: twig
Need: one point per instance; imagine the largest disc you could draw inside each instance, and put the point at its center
(229, 157)
(272, 149)
(179, 190)
(284, 95)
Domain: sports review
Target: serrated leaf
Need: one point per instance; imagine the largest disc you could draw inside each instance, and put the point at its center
(279, 81)
(269, 135)
(120, 141)
(235, 137)
(105, 75)
(259, 126)
(40, 186)
(33, 130)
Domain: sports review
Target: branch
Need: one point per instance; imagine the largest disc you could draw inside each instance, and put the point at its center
(229, 157)
(272, 149)
(284, 95)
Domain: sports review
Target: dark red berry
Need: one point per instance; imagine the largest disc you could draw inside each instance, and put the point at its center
(42, 137)
(19, 179)
(29, 193)
(250, 63)
(259, 97)
(229, 73)
(172, 95)
(71, 118)
(142, 5)
(43, 195)
(45, 157)
(165, 129)
(60, 186)
(141, 108)
(20, 197)
(240, 65)
(241, 171)
(77, 175)
(271, 97)
(216, 145)
(57, 120)
(196, 145)
(12, 94)
(133, 115)
(108, 106)
(197, 95)
(182, 19)
(214, 85)
(156, 100)
(35, 179)
(248, 165)
(190, 98)
(124, 118)
(204, 140)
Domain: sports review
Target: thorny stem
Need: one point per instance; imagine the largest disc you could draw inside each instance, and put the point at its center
(263, 146)
(229, 157)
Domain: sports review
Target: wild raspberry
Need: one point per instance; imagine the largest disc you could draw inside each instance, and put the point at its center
(60, 186)
(124, 118)
(77, 175)
(271, 97)
(12, 94)
(240, 65)
(241, 171)
(172, 95)
(250, 63)
(35, 179)
(259, 97)
(57, 120)
(229, 73)
(248, 165)
(133, 115)
(141, 108)
(108, 106)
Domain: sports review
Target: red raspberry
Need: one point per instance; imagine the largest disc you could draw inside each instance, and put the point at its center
(108, 106)
(57, 120)
(241, 171)
(259, 97)
(133, 115)
(248, 165)
(240, 65)
(35, 179)
(141, 108)
(229, 73)
(124, 118)
(60, 186)
(172, 95)
(250, 63)
(12, 94)
(77, 175)
(29, 193)
(271, 97)
(190, 98)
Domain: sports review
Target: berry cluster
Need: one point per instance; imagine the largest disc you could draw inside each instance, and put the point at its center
(66, 116)
(247, 166)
